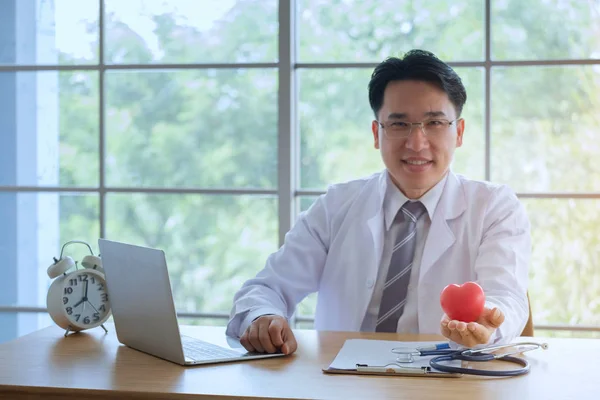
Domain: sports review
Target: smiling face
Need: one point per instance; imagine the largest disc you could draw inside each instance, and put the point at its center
(418, 162)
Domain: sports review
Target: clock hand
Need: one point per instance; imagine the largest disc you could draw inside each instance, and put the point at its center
(78, 303)
(92, 305)
(85, 291)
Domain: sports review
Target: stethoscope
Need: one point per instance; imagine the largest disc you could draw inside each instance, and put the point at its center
(443, 353)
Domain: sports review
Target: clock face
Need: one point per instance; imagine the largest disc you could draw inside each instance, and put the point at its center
(84, 299)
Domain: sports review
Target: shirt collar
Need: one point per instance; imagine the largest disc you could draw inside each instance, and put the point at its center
(394, 199)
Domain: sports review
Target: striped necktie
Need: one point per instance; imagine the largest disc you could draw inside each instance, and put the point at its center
(398, 277)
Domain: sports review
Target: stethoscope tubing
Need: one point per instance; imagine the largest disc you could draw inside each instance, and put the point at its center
(445, 355)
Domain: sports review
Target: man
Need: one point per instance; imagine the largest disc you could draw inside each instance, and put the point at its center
(379, 250)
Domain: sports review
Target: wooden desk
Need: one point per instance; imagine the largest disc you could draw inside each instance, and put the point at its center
(93, 365)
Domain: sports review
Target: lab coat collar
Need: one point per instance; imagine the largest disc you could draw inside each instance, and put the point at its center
(451, 204)
(453, 201)
(394, 199)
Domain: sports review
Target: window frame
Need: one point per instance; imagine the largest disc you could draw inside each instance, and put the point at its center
(288, 190)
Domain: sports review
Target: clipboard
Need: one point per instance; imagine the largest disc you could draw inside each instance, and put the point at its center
(375, 357)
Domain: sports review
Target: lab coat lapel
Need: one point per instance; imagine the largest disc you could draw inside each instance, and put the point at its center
(375, 223)
(451, 205)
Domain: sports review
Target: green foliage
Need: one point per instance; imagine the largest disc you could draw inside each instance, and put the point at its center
(356, 30)
(78, 124)
(193, 128)
(545, 29)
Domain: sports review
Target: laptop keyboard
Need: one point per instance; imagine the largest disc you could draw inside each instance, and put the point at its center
(199, 350)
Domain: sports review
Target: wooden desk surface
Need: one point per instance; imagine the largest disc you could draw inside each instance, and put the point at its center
(94, 365)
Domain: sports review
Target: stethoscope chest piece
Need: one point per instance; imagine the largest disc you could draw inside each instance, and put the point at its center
(405, 358)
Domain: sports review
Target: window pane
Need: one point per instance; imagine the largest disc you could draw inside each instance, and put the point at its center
(305, 325)
(213, 243)
(469, 159)
(49, 128)
(191, 31)
(364, 31)
(14, 325)
(308, 306)
(545, 29)
(35, 227)
(306, 202)
(63, 32)
(335, 127)
(565, 260)
(204, 321)
(192, 128)
(545, 128)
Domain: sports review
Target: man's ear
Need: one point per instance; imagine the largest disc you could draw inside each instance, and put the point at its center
(460, 130)
(375, 129)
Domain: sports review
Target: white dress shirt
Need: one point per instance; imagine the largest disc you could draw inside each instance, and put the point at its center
(393, 201)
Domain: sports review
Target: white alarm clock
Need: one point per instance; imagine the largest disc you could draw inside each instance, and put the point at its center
(78, 300)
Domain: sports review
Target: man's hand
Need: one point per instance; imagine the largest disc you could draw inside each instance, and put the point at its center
(269, 334)
(473, 333)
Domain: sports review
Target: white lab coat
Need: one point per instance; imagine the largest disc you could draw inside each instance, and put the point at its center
(479, 232)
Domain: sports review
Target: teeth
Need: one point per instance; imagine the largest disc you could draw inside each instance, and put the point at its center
(414, 162)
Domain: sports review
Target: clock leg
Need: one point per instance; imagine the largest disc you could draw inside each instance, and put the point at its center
(68, 330)
(105, 331)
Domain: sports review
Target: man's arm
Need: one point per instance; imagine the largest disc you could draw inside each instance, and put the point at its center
(501, 268)
(290, 274)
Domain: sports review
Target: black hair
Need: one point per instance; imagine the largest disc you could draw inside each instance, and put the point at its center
(417, 65)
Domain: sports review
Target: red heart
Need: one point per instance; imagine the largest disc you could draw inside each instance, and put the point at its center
(463, 302)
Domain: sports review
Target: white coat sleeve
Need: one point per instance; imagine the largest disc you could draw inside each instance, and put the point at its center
(502, 264)
(290, 274)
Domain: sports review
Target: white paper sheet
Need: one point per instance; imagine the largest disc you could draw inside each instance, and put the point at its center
(378, 353)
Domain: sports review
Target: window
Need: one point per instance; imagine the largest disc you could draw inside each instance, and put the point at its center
(204, 127)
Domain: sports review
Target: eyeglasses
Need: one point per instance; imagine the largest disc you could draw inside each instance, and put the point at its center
(430, 127)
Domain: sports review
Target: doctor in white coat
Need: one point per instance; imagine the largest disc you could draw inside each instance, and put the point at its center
(342, 246)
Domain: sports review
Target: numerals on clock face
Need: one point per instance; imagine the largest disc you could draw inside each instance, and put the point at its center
(85, 299)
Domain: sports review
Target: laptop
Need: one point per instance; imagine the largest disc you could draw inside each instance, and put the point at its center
(139, 292)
